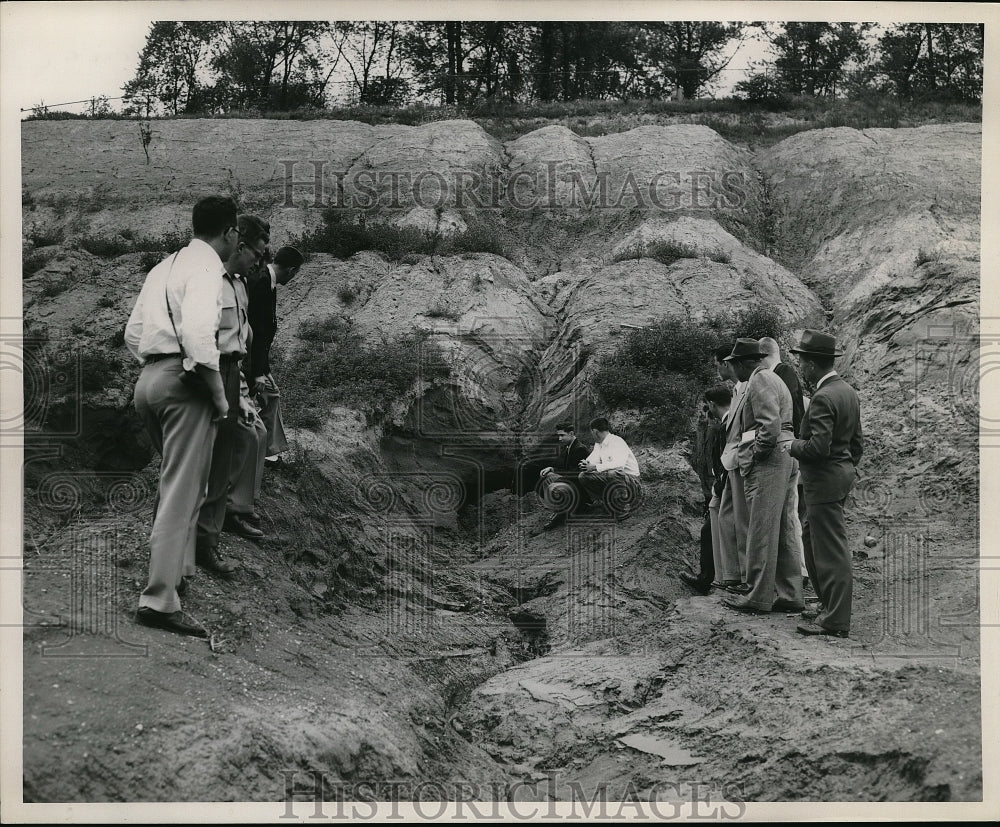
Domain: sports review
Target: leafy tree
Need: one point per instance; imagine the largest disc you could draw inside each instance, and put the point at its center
(687, 54)
(171, 65)
(943, 60)
(571, 60)
(812, 57)
(372, 50)
(271, 64)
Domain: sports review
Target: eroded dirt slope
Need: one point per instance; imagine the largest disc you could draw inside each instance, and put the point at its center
(390, 628)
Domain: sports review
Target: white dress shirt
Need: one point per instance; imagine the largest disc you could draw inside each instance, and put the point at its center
(613, 454)
(195, 294)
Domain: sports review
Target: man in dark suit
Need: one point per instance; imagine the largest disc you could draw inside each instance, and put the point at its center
(565, 472)
(828, 451)
(264, 322)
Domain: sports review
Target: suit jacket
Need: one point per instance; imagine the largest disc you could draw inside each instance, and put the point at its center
(263, 315)
(767, 411)
(789, 376)
(831, 443)
(567, 463)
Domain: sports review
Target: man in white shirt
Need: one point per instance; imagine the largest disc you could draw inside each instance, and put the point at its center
(172, 329)
(610, 474)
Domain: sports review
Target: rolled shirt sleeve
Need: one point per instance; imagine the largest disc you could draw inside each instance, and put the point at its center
(133, 328)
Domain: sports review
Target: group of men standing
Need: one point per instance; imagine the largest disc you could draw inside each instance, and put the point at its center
(760, 537)
(202, 327)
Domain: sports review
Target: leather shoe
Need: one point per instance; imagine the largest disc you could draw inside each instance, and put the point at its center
(739, 588)
(811, 612)
(238, 524)
(208, 558)
(170, 621)
(555, 521)
(786, 606)
(694, 582)
(816, 629)
(742, 606)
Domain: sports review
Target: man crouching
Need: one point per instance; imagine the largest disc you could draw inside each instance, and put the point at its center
(610, 475)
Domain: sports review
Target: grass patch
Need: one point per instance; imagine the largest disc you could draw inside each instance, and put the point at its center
(925, 256)
(124, 243)
(346, 232)
(667, 252)
(661, 370)
(333, 363)
(56, 287)
(440, 311)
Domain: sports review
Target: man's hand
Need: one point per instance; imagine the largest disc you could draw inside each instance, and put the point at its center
(545, 471)
(261, 384)
(246, 410)
(587, 466)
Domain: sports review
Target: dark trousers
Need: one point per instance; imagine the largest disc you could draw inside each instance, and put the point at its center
(706, 556)
(828, 560)
(213, 510)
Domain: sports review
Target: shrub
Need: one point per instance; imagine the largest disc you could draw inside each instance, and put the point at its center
(105, 247)
(335, 364)
(47, 236)
(346, 232)
(32, 262)
(752, 322)
(55, 287)
(112, 247)
(925, 256)
(98, 370)
(667, 252)
(347, 295)
(662, 369)
(440, 311)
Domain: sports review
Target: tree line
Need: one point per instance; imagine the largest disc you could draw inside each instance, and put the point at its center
(211, 67)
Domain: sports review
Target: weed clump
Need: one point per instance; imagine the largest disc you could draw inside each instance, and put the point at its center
(662, 369)
(333, 363)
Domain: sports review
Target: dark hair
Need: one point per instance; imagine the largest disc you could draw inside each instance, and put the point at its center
(566, 426)
(600, 423)
(252, 229)
(213, 215)
(719, 394)
(288, 257)
(722, 351)
(824, 363)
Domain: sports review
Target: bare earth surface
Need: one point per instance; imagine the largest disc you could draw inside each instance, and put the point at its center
(381, 633)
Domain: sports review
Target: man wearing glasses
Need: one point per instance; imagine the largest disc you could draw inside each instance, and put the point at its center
(234, 330)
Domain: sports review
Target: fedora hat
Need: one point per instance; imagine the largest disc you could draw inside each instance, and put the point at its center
(815, 343)
(745, 349)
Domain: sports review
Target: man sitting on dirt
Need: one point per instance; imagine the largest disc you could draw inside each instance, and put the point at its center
(610, 475)
(558, 485)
